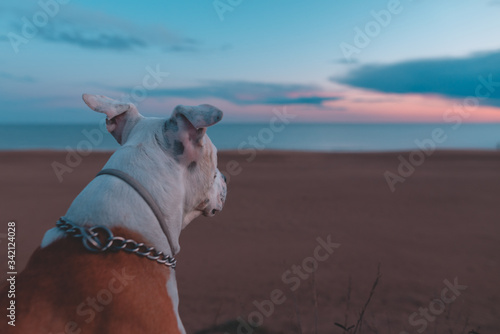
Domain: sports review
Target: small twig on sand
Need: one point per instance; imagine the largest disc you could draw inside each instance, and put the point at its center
(345, 326)
(465, 325)
(348, 301)
(297, 312)
(359, 323)
(315, 299)
(216, 318)
(389, 331)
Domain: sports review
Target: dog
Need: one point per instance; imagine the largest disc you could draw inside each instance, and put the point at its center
(68, 289)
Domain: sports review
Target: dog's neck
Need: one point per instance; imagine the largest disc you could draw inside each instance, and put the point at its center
(110, 202)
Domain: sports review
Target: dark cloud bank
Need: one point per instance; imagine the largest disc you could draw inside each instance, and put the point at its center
(450, 77)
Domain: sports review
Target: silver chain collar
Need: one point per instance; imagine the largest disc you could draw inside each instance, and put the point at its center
(100, 239)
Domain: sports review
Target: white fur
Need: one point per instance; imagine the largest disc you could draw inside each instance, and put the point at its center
(172, 292)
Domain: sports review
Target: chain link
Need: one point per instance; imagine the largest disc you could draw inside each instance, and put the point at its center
(100, 239)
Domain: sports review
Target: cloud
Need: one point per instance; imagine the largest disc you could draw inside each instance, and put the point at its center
(13, 77)
(97, 30)
(345, 61)
(375, 100)
(450, 77)
(188, 45)
(110, 41)
(315, 100)
(248, 93)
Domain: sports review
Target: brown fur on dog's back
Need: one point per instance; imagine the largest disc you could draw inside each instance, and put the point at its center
(66, 289)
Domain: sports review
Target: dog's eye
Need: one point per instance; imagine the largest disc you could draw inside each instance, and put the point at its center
(215, 176)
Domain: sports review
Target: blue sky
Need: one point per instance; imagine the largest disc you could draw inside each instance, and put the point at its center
(262, 55)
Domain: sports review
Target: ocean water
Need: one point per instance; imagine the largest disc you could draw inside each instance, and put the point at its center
(303, 137)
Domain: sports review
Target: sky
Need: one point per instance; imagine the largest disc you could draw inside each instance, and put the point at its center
(343, 61)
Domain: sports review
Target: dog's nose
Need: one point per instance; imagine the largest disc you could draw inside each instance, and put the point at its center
(224, 177)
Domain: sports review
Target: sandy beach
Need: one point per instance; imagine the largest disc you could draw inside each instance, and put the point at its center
(440, 229)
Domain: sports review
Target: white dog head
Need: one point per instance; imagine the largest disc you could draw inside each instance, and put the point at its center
(182, 139)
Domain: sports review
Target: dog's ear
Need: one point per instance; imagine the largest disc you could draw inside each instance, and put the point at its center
(121, 117)
(191, 123)
(196, 119)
